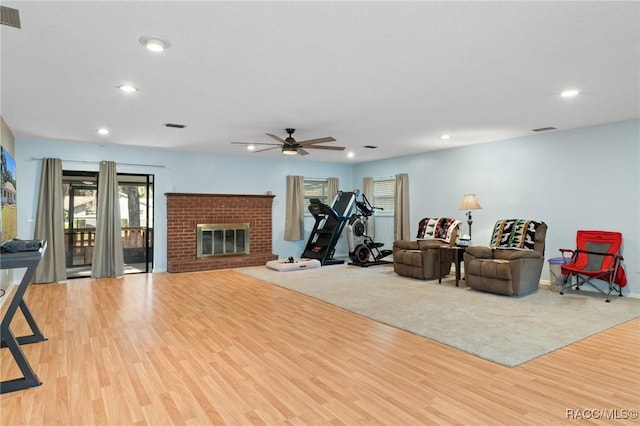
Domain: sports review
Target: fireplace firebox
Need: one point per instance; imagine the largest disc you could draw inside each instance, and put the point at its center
(223, 239)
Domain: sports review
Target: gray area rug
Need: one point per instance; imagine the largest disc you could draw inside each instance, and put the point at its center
(505, 330)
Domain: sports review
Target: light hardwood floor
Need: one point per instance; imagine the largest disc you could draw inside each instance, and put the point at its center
(222, 348)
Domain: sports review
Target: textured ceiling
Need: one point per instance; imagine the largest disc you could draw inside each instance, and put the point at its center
(395, 75)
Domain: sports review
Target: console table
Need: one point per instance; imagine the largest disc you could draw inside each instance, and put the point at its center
(29, 260)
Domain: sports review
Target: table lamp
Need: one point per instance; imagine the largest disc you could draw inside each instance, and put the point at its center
(469, 202)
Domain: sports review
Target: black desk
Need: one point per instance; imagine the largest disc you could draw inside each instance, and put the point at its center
(29, 260)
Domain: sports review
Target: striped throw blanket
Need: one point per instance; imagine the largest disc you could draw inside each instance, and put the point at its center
(514, 234)
(440, 228)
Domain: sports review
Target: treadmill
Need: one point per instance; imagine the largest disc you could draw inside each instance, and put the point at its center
(330, 221)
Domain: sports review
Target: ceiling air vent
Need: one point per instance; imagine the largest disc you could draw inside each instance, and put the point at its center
(544, 129)
(10, 17)
(370, 146)
(175, 126)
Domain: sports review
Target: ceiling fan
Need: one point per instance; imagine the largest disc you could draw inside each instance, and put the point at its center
(290, 146)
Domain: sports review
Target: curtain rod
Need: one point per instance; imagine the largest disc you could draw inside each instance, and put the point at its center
(98, 162)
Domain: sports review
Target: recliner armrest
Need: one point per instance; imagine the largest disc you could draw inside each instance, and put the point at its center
(480, 252)
(405, 245)
(430, 244)
(517, 254)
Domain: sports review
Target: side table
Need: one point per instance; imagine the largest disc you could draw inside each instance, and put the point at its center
(457, 253)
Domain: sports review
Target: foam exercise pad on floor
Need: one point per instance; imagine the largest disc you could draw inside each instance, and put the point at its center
(293, 265)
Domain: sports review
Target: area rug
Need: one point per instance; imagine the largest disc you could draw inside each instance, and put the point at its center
(505, 330)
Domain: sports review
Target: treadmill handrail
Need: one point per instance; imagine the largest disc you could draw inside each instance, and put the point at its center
(316, 207)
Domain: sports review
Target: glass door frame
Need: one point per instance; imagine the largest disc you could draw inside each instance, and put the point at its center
(146, 180)
(70, 177)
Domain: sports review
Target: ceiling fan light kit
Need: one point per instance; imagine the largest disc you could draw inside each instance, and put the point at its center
(289, 150)
(290, 146)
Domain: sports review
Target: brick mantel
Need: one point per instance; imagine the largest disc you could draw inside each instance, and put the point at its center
(185, 211)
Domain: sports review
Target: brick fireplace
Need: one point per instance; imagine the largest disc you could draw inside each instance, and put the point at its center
(186, 211)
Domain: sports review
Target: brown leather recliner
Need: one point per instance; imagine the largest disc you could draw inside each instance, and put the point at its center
(419, 258)
(513, 264)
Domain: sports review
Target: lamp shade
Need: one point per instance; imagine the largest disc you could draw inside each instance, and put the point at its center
(469, 202)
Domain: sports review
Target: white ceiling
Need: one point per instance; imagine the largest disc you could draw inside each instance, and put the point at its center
(395, 75)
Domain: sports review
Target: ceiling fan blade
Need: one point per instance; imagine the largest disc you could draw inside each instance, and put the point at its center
(333, 148)
(267, 149)
(278, 138)
(302, 151)
(318, 140)
(255, 143)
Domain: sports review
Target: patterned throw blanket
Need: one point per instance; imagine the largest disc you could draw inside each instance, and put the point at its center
(514, 234)
(440, 228)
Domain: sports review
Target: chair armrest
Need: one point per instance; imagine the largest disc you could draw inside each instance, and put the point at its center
(430, 244)
(520, 254)
(480, 252)
(405, 245)
(564, 251)
(599, 253)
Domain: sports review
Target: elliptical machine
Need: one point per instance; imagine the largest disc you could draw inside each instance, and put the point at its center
(363, 251)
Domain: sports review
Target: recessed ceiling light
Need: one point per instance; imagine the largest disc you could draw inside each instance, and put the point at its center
(154, 44)
(569, 93)
(127, 88)
(445, 137)
(103, 131)
(351, 154)
(251, 147)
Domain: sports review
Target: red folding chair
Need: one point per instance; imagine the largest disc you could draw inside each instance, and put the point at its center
(597, 257)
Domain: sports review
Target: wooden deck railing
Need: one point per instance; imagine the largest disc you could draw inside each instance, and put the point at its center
(79, 243)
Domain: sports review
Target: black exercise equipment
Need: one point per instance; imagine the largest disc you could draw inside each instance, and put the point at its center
(363, 251)
(330, 221)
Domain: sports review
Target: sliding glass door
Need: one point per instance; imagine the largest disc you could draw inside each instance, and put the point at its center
(80, 201)
(136, 214)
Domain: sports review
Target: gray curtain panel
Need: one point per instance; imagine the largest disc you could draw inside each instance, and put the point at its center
(333, 186)
(367, 191)
(401, 216)
(108, 255)
(294, 214)
(50, 223)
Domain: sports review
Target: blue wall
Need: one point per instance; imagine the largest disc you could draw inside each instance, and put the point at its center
(586, 178)
(182, 172)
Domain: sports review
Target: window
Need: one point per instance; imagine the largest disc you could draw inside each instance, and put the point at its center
(384, 195)
(315, 189)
